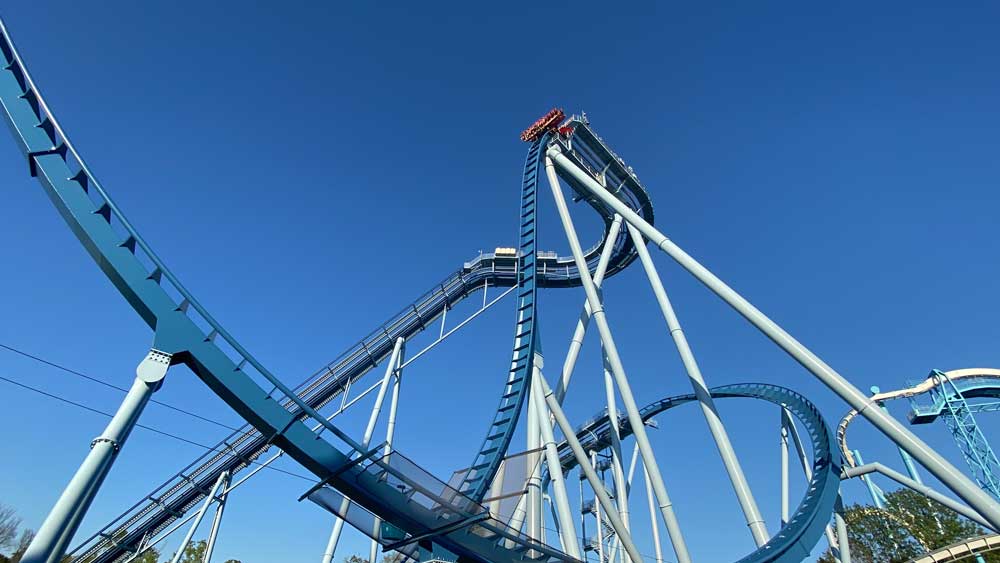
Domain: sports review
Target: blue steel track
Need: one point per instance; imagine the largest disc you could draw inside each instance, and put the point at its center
(279, 415)
(795, 540)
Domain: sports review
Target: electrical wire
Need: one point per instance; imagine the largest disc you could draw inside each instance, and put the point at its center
(111, 385)
(144, 426)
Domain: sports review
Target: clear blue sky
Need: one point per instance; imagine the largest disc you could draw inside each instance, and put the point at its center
(309, 168)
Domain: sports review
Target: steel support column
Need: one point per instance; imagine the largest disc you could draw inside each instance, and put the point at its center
(911, 469)
(597, 511)
(617, 471)
(784, 469)
(611, 350)
(391, 367)
(581, 325)
(201, 515)
(569, 433)
(217, 520)
(534, 462)
(947, 473)
(567, 531)
(878, 499)
(843, 543)
(390, 427)
(496, 489)
(741, 487)
(653, 522)
(55, 533)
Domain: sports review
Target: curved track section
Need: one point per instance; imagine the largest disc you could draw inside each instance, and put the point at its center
(971, 382)
(793, 542)
(961, 551)
(185, 329)
(480, 475)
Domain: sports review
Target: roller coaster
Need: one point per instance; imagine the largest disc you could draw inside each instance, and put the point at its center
(492, 510)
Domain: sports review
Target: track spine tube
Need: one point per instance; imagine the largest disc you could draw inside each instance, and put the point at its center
(486, 463)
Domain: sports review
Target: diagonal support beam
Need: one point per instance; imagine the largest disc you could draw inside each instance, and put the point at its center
(217, 520)
(733, 468)
(224, 477)
(617, 469)
(567, 532)
(390, 368)
(581, 325)
(947, 473)
(569, 433)
(618, 370)
(60, 525)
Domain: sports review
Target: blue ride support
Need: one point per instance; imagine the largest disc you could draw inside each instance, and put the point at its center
(843, 545)
(600, 493)
(754, 520)
(878, 497)
(220, 484)
(564, 519)
(213, 535)
(783, 447)
(617, 369)
(391, 371)
(891, 428)
(911, 469)
(57, 530)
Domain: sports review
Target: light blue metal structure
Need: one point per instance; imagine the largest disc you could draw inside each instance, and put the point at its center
(391, 498)
(794, 541)
(184, 329)
(166, 503)
(949, 400)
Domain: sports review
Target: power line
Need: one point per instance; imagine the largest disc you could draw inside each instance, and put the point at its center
(140, 425)
(111, 385)
(143, 426)
(152, 429)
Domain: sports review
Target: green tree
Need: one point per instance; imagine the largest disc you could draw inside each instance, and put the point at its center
(149, 556)
(193, 553)
(909, 525)
(394, 557)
